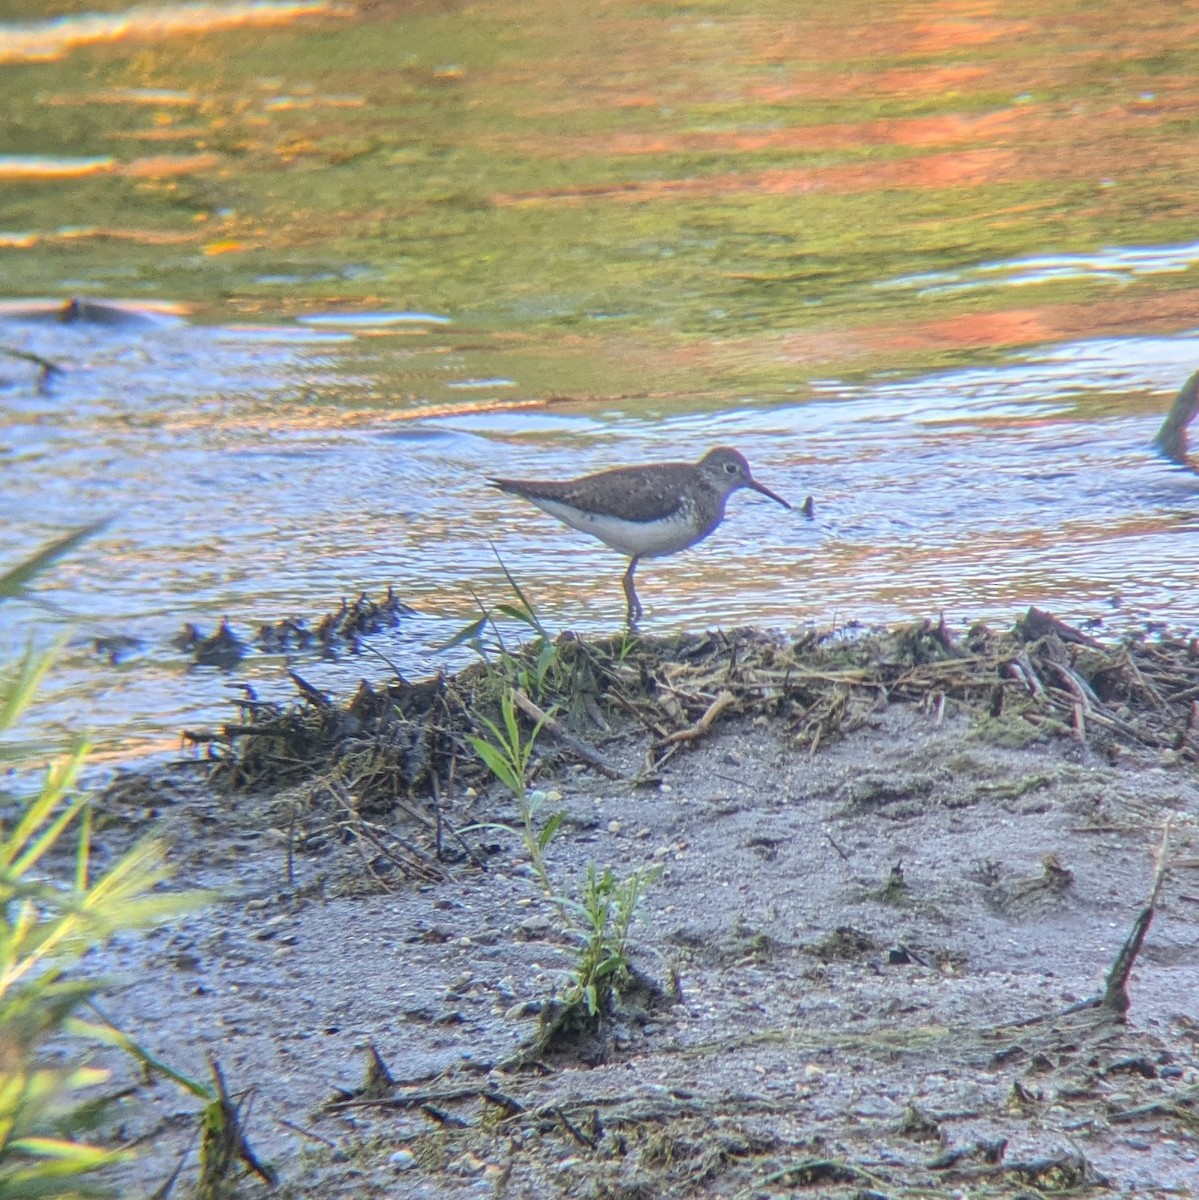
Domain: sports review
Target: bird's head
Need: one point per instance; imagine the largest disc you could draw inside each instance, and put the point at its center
(728, 471)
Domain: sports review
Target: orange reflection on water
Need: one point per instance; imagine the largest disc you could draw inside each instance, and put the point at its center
(899, 82)
(229, 246)
(295, 419)
(155, 97)
(36, 166)
(1011, 327)
(991, 329)
(910, 574)
(144, 237)
(153, 166)
(968, 168)
(43, 41)
(160, 165)
(936, 36)
(163, 133)
(926, 81)
(909, 131)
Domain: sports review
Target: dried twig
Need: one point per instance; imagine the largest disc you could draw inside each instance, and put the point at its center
(46, 369)
(573, 744)
(1115, 993)
(423, 1099)
(694, 732)
(417, 863)
(574, 1131)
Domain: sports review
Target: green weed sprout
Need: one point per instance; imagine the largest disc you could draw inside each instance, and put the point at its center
(605, 916)
(529, 677)
(598, 923)
(507, 755)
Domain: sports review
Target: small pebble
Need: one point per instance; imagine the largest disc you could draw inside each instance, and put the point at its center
(877, 1107)
(523, 1010)
(403, 1160)
(614, 826)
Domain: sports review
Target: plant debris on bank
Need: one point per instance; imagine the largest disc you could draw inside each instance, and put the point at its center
(403, 741)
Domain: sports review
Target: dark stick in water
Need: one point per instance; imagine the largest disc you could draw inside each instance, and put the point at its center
(1171, 438)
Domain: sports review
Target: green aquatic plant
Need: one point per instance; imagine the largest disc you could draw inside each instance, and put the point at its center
(596, 916)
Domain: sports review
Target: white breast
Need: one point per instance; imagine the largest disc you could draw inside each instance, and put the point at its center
(641, 539)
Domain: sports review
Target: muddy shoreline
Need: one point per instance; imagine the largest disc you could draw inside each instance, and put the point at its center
(890, 871)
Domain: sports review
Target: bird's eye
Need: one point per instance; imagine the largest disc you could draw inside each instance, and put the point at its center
(731, 468)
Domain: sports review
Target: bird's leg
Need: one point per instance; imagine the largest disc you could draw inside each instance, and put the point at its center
(630, 592)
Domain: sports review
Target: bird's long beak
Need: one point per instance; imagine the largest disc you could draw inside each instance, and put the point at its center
(761, 487)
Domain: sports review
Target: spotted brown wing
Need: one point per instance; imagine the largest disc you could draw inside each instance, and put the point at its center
(626, 493)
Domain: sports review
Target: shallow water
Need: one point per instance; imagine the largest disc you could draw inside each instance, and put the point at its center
(933, 268)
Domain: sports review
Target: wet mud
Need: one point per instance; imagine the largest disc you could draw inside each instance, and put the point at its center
(924, 923)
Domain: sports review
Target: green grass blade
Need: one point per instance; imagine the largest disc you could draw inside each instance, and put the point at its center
(47, 838)
(530, 613)
(17, 691)
(492, 727)
(59, 779)
(496, 762)
(466, 636)
(108, 1034)
(78, 1154)
(490, 620)
(516, 613)
(13, 581)
(512, 724)
(549, 829)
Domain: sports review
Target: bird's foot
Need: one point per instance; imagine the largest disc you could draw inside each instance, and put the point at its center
(635, 612)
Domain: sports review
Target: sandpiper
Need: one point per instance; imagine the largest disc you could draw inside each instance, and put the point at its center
(644, 512)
